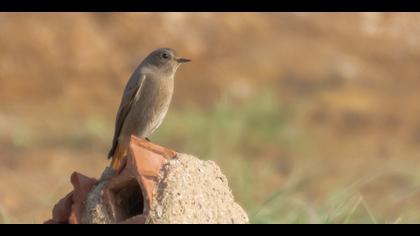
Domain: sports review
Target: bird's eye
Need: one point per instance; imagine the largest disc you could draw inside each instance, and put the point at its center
(165, 55)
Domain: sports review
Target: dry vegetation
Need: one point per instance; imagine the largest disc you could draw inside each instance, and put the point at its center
(312, 117)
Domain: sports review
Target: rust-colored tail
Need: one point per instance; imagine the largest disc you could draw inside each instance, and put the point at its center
(117, 157)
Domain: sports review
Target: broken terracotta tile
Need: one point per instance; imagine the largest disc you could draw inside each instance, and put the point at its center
(137, 178)
(142, 165)
(69, 208)
(82, 186)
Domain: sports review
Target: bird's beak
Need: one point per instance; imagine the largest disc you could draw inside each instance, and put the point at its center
(182, 60)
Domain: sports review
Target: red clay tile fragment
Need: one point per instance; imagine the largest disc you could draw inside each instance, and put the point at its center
(69, 208)
(62, 210)
(137, 177)
(82, 186)
(142, 165)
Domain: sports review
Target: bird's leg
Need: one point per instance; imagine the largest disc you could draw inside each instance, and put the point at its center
(118, 157)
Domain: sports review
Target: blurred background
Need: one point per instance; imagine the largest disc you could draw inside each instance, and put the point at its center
(313, 117)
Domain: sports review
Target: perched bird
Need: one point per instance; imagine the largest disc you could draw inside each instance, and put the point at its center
(145, 101)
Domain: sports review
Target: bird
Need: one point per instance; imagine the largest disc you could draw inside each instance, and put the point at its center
(145, 101)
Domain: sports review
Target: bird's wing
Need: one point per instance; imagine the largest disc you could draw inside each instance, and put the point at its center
(131, 94)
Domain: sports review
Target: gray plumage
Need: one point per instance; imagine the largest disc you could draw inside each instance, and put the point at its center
(146, 97)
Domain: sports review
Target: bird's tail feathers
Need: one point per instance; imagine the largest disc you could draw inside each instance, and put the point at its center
(112, 151)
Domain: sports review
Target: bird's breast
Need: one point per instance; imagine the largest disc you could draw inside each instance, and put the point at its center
(151, 107)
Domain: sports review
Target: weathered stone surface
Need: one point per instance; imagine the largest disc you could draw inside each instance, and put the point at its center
(194, 191)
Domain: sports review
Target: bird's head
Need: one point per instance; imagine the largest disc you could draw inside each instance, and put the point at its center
(165, 60)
